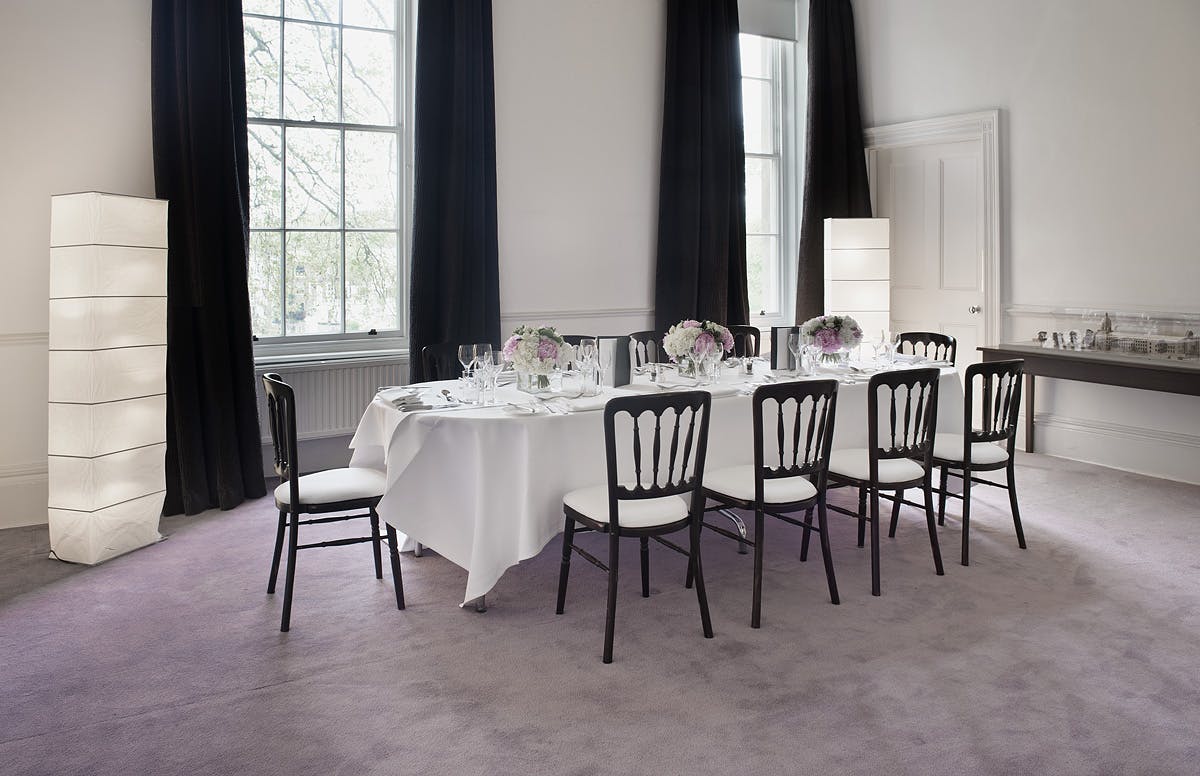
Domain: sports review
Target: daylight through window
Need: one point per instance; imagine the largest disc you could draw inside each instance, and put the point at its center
(325, 144)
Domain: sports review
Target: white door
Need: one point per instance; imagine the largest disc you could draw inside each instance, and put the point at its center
(934, 195)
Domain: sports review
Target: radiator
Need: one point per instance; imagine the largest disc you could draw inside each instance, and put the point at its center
(331, 396)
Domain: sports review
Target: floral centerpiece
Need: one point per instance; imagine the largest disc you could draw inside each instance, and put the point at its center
(835, 335)
(692, 343)
(533, 352)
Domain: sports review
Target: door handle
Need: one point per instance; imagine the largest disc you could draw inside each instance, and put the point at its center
(975, 309)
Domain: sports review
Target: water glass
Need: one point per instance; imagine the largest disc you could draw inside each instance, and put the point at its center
(795, 344)
(466, 356)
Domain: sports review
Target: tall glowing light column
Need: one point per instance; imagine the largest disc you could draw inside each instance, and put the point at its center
(858, 271)
(108, 350)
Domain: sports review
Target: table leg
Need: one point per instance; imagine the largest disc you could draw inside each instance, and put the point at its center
(481, 604)
(1029, 390)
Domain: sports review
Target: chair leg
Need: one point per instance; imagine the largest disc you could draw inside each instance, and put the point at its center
(895, 514)
(611, 613)
(418, 550)
(862, 515)
(966, 515)
(645, 567)
(931, 520)
(945, 475)
(874, 541)
(756, 602)
(394, 554)
(289, 580)
(564, 568)
(826, 555)
(698, 571)
(278, 551)
(1012, 502)
(375, 544)
(807, 533)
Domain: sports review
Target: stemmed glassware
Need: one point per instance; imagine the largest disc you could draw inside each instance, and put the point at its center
(466, 357)
(795, 344)
(585, 362)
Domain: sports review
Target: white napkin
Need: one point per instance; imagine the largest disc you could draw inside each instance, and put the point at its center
(909, 358)
(585, 403)
(721, 389)
(400, 394)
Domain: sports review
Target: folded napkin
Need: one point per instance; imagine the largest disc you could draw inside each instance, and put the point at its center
(401, 394)
(722, 389)
(585, 403)
(910, 358)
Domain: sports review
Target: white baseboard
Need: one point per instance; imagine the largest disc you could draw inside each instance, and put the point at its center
(1155, 452)
(23, 494)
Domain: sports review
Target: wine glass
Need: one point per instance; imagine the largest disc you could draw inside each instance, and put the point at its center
(795, 344)
(604, 362)
(466, 356)
(482, 352)
(889, 341)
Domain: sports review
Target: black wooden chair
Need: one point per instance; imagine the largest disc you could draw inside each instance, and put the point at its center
(658, 491)
(440, 361)
(887, 463)
(320, 493)
(788, 474)
(746, 340)
(977, 450)
(933, 345)
(645, 347)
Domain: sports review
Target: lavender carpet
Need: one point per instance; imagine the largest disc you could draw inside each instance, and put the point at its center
(1078, 655)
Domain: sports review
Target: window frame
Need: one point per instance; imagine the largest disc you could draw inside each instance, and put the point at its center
(304, 348)
(789, 120)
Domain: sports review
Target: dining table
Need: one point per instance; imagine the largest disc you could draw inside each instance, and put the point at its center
(482, 484)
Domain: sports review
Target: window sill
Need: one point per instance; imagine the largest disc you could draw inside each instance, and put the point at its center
(358, 350)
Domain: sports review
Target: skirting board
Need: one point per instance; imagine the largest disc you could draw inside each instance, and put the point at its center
(23, 494)
(1153, 452)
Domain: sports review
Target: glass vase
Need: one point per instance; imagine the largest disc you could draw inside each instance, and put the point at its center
(533, 383)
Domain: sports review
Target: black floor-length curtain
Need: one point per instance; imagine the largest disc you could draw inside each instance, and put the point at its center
(455, 288)
(701, 267)
(835, 171)
(198, 85)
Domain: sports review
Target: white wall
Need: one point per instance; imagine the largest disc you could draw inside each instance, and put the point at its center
(579, 90)
(75, 92)
(1100, 175)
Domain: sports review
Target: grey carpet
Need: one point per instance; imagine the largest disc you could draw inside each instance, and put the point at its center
(1078, 655)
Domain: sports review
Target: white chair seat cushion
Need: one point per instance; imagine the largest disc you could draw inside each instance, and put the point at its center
(335, 485)
(856, 463)
(738, 482)
(949, 447)
(634, 513)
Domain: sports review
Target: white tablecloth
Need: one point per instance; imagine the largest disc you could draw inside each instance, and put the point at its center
(484, 487)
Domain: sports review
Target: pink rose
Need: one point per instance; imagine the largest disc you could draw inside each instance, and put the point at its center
(705, 344)
(829, 340)
(547, 349)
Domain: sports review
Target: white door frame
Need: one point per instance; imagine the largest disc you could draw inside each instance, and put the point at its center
(983, 126)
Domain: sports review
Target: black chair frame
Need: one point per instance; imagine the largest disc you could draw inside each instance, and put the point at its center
(915, 442)
(651, 344)
(943, 346)
(811, 461)
(747, 340)
(690, 448)
(999, 405)
(281, 414)
(440, 361)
